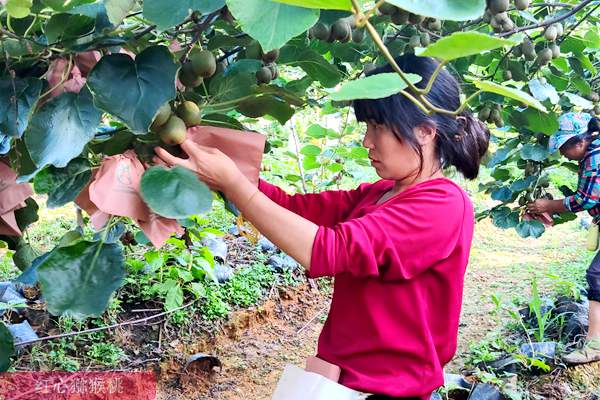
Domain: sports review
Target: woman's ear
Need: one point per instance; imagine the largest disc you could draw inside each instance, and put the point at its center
(425, 134)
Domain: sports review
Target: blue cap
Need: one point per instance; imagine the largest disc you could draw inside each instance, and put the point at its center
(569, 125)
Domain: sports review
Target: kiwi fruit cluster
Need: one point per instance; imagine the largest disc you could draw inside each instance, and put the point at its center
(268, 71)
(342, 30)
(491, 114)
(171, 126)
(542, 55)
(201, 65)
(496, 15)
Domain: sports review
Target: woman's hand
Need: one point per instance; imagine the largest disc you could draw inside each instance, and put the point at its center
(538, 206)
(213, 167)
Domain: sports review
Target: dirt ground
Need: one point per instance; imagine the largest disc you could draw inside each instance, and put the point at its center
(255, 345)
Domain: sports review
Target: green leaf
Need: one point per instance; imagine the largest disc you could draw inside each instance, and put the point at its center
(322, 4)
(373, 87)
(59, 130)
(27, 215)
(167, 13)
(231, 86)
(134, 90)
(68, 26)
(174, 297)
(463, 44)
(521, 184)
(65, 5)
(117, 10)
(535, 121)
(311, 150)
(530, 229)
(310, 162)
(78, 280)
(316, 131)
(455, 10)
(502, 154)
(15, 118)
(513, 93)
(272, 24)
(314, 64)
(279, 109)
(534, 152)
(175, 193)
(543, 91)
(18, 8)
(7, 347)
(503, 194)
(63, 184)
(504, 218)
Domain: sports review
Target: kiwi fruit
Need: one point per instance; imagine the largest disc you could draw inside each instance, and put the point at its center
(264, 75)
(484, 113)
(340, 30)
(435, 25)
(189, 112)
(498, 6)
(270, 56)
(551, 33)
(187, 76)
(320, 31)
(507, 75)
(595, 97)
(425, 39)
(597, 109)
(162, 116)
(387, 9)
(414, 41)
(401, 17)
(204, 63)
(544, 56)
(528, 49)
(555, 50)
(559, 28)
(508, 25)
(173, 132)
(254, 107)
(358, 35)
(495, 114)
(415, 19)
(522, 4)
(517, 51)
(274, 71)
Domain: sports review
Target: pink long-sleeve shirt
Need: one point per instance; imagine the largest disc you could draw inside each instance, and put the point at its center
(399, 268)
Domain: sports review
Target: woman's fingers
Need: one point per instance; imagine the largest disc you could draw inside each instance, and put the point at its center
(159, 161)
(168, 157)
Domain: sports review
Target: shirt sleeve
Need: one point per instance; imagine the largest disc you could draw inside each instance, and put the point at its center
(325, 208)
(588, 188)
(395, 242)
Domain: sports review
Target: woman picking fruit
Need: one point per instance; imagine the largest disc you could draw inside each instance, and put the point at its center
(398, 248)
(576, 142)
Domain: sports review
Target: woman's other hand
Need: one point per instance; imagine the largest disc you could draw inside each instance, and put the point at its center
(539, 206)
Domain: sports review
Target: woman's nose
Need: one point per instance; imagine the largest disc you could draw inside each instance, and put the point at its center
(367, 142)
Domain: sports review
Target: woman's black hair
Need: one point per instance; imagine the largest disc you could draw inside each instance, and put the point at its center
(593, 129)
(461, 141)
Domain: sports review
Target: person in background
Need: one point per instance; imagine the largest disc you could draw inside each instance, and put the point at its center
(576, 141)
(398, 248)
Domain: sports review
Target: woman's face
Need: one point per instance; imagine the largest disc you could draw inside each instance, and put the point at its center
(575, 152)
(392, 158)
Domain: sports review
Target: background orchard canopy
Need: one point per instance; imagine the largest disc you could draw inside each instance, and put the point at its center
(82, 80)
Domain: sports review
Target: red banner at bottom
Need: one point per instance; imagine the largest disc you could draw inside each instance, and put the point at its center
(78, 385)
